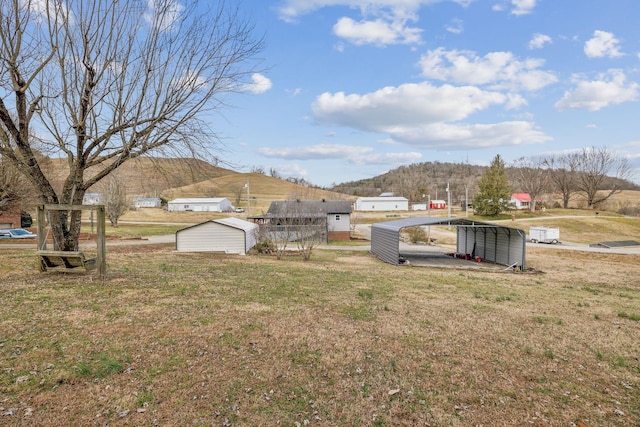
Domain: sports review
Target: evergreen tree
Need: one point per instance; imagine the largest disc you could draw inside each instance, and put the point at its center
(494, 194)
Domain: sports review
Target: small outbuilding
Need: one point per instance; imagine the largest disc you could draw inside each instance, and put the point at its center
(438, 204)
(382, 203)
(483, 240)
(229, 235)
(147, 202)
(214, 204)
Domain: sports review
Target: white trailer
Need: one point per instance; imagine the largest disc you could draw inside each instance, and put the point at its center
(544, 235)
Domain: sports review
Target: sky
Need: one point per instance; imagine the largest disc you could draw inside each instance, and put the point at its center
(350, 89)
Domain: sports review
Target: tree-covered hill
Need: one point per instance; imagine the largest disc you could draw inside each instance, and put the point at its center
(419, 181)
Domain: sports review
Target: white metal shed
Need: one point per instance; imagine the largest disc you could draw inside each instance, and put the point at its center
(229, 235)
(384, 203)
(492, 242)
(212, 204)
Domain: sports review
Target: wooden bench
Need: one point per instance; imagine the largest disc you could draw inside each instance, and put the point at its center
(66, 259)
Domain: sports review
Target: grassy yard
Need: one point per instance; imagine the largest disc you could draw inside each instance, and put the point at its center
(341, 340)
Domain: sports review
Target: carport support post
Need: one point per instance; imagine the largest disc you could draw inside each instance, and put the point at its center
(42, 239)
(102, 248)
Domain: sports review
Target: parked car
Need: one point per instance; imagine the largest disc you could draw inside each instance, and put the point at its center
(239, 210)
(16, 233)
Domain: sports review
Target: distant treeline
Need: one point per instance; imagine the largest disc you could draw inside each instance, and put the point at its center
(420, 181)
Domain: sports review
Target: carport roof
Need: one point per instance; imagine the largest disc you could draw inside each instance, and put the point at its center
(418, 221)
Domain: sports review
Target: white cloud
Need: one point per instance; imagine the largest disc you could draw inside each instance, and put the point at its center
(291, 170)
(472, 136)
(518, 7)
(42, 9)
(456, 26)
(381, 22)
(315, 152)
(395, 159)
(162, 14)
(352, 154)
(190, 80)
(499, 69)
(378, 32)
(610, 88)
(522, 7)
(426, 116)
(291, 10)
(602, 44)
(539, 40)
(259, 84)
(408, 104)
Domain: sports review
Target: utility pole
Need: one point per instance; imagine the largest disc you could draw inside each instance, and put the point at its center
(448, 204)
(248, 199)
(466, 201)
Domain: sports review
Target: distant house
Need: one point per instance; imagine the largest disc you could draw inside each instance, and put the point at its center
(216, 204)
(521, 200)
(10, 219)
(228, 235)
(324, 219)
(438, 204)
(419, 207)
(147, 202)
(382, 203)
(92, 199)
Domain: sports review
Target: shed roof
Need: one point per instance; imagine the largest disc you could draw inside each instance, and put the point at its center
(523, 197)
(383, 198)
(199, 200)
(229, 222)
(310, 206)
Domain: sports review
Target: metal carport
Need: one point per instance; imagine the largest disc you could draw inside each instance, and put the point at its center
(492, 242)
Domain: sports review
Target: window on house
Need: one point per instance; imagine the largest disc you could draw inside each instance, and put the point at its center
(337, 217)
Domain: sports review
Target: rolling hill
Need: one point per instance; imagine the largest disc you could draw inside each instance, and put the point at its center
(262, 190)
(148, 177)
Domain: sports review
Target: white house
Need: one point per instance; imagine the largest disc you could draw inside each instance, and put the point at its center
(92, 199)
(521, 200)
(216, 204)
(147, 202)
(382, 204)
(324, 219)
(228, 235)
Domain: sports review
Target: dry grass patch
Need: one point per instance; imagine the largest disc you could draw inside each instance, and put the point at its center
(211, 339)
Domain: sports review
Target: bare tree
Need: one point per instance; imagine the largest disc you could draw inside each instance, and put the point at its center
(532, 175)
(238, 191)
(563, 175)
(107, 81)
(16, 193)
(594, 166)
(114, 197)
(301, 222)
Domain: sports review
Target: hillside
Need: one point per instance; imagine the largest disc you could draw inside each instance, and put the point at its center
(420, 180)
(146, 177)
(262, 190)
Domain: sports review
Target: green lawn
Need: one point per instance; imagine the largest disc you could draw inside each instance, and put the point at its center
(211, 339)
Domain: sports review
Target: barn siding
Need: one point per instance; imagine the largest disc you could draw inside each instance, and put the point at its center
(384, 243)
(222, 235)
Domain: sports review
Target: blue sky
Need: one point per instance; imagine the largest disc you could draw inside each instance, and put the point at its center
(353, 88)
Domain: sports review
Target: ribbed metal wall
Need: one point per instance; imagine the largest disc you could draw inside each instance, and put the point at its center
(491, 242)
